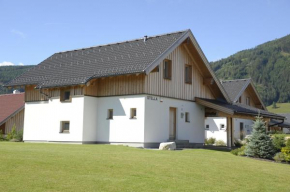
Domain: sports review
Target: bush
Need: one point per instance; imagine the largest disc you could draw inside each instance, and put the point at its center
(239, 151)
(286, 152)
(278, 141)
(2, 138)
(210, 141)
(19, 135)
(238, 143)
(220, 143)
(260, 144)
(12, 133)
(279, 157)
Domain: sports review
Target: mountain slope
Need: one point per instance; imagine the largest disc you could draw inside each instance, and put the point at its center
(7, 73)
(267, 64)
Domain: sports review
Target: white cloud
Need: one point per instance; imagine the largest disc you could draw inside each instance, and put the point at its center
(19, 33)
(7, 63)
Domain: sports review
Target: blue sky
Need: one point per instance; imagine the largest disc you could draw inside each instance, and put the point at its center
(31, 31)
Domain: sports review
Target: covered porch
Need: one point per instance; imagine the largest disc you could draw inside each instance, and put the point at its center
(217, 108)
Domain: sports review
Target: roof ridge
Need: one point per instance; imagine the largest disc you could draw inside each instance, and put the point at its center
(119, 42)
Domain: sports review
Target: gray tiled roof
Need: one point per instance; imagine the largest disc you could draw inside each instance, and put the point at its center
(234, 87)
(244, 109)
(78, 66)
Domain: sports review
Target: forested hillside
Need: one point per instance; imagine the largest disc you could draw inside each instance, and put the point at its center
(7, 73)
(267, 64)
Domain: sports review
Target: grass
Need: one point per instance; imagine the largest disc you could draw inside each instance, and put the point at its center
(281, 108)
(65, 167)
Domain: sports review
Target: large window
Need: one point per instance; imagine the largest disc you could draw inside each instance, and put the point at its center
(167, 69)
(188, 74)
(64, 127)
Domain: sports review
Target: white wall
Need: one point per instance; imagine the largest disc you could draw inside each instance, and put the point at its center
(215, 131)
(42, 120)
(121, 128)
(90, 119)
(157, 120)
(214, 128)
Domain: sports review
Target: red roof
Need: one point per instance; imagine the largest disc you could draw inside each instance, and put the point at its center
(9, 104)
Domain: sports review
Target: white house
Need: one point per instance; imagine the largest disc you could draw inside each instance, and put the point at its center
(139, 92)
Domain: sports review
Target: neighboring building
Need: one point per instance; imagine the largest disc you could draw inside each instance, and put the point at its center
(139, 92)
(283, 125)
(11, 112)
(240, 91)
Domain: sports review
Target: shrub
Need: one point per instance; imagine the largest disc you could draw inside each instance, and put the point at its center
(239, 151)
(19, 135)
(278, 141)
(286, 152)
(279, 157)
(12, 133)
(2, 138)
(238, 143)
(210, 141)
(260, 144)
(220, 143)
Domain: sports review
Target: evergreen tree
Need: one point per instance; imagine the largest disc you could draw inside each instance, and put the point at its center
(260, 144)
(274, 106)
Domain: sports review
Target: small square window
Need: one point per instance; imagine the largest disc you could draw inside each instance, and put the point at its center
(64, 127)
(222, 126)
(110, 114)
(65, 95)
(206, 126)
(187, 117)
(133, 113)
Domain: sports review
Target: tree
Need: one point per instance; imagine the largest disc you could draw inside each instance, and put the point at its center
(274, 106)
(260, 144)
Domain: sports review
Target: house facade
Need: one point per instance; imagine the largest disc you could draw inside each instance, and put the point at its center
(139, 93)
(240, 91)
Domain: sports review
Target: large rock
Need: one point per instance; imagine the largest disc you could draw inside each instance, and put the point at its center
(167, 146)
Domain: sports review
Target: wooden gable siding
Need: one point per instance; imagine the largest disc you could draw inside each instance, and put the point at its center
(254, 101)
(17, 120)
(117, 85)
(176, 87)
(32, 94)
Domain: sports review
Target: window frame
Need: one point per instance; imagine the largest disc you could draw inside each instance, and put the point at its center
(224, 126)
(63, 94)
(167, 69)
(110, 114)
(207, 127)
(132, 115)
(62, 127)
(188, 74)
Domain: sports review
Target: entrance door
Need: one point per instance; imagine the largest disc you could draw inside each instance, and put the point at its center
(172, 123)
(241, 130)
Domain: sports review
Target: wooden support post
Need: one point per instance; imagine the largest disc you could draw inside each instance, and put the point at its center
(229, 132)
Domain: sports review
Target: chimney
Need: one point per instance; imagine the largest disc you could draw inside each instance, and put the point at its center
(16, 91)
(145, 38)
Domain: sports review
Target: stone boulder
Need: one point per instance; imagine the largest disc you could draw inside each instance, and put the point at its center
(167, 146)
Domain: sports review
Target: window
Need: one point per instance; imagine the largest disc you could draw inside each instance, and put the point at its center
(65, 95)
(64, 127)
(156, 69)
(248, 101)
(222, 126)
(206, 126)
(188, 74)
(133, 114)
(110, 114)
(167, 65)
(187, 117)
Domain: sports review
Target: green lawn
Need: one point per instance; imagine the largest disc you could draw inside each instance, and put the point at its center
(281, 108)
(65, 167)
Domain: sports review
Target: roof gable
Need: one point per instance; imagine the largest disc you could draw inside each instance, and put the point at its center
(9, 105)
